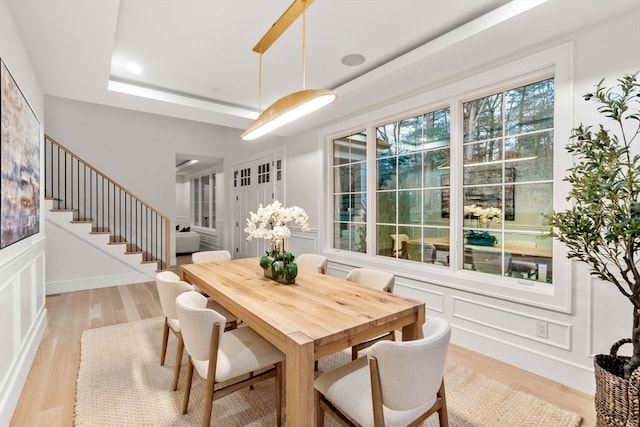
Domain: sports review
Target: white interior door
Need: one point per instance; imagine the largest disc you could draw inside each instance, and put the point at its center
(254, 183)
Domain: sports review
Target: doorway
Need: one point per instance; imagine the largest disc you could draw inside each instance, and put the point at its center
(259, 181)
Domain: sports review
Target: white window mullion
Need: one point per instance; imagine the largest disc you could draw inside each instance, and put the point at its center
(372, 166)
(456, 191)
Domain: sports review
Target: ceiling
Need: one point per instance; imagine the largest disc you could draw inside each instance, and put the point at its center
(196, 61)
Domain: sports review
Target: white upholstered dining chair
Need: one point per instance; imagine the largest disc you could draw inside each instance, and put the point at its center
(169, 287)
(210, 256)
(312, 262)
(376, 279)
(397, 384)
(215, 256)
(218, 356)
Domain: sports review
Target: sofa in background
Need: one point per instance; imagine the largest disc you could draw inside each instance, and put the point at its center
(187, 241)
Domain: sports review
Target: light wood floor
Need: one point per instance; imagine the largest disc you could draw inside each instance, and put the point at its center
(48, 396)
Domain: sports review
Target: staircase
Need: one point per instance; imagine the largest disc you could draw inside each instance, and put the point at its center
(91, 206)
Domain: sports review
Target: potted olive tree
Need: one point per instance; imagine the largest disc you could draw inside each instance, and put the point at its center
(602, 228)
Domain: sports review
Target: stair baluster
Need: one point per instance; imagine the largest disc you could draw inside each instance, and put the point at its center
(107, 205)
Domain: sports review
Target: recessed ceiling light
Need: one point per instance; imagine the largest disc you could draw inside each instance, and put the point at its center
(353, 59)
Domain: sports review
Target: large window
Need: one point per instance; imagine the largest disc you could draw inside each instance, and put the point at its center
(412, 161)
(488, 188)
(508, 181)
(203, 199)
(350, 192)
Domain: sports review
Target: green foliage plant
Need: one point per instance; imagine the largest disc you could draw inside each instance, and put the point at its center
(602, 228)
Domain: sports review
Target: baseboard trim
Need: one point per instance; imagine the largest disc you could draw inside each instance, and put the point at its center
(94, 283)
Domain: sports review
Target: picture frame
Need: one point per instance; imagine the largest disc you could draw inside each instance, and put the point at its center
(20, 165)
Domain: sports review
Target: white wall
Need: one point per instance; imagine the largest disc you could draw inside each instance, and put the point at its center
(23, 315)
(81, 265)
(183, 192)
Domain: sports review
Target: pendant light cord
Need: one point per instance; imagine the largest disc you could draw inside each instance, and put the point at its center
(260, 83)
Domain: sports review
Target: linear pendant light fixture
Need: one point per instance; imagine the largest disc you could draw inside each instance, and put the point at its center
(296, 104)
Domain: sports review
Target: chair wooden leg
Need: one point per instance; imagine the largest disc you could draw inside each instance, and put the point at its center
(442, 412)
(208, 401)
(165, 339)
(178, 364)
(278, 380)
(319, 410)
(187, 386)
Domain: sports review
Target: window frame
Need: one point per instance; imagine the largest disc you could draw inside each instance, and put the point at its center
(555, 62)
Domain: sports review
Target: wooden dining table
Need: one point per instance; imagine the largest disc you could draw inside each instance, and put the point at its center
(514, 249)
(315, 317)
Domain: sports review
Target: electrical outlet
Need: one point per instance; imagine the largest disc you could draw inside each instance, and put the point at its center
(542, 329)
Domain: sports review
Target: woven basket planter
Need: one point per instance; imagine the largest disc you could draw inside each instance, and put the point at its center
(616, 398)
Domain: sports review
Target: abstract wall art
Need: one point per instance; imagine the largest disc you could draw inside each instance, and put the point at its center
(19, 163)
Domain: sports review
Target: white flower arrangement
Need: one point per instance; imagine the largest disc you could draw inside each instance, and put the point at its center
(270, 222)
(483, 215)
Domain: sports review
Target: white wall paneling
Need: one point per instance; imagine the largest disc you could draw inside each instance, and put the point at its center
(433, 297)
(301, 243)
(23, 317)
(503, 321)
(209, 239)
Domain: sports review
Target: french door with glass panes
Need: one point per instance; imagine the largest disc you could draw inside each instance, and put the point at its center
(254, 183)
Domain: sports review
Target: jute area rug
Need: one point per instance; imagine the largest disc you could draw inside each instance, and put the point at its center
(121, 383)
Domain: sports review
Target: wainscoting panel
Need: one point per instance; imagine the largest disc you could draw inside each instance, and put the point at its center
(434, 300)
(606, 329)
(27, 300)
(23, 317)
(8, 312)
(518, 324)
(303, 243)
(209, 242)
